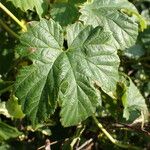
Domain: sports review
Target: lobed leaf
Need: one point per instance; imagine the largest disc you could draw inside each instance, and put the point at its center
(40, 5)
(65, 75)
(108, 14)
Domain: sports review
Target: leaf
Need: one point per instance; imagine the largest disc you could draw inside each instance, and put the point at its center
(41, 6)
(108, 14)
(71, 1)
(5, 86)
(146, 14)
(6, 57)
(41, 128)
(66, 75)
(76, 1)
(135, 52)
(145, 38)
(64, 13)
(7, 132)
(133, 102)
(5, 146)
(3, 110)
(13, 108)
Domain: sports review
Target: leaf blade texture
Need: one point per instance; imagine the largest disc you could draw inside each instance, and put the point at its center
(65, 76)
(108, 14)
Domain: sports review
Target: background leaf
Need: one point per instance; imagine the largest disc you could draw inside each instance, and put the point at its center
(59, 13)
(3, 109)
(108, 14)
(41, 6)
(7, 132)
(133, 102)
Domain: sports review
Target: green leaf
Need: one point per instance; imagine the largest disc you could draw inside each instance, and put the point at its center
(7, 132)
(6, 57)
(66, 75)
(5, 86)
(64, 13)
(146, 14)
(71, 1)
(145, 38)
(135, 52)
(133, 102)
(5, 146)
(108, 14)
(14, 109)
(77, 1)
(41, 6)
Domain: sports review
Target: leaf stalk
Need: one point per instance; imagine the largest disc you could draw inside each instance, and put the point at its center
(13, 17)
(114, 141)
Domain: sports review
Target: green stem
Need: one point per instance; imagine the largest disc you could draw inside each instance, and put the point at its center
(8, 29)
(114, 141)
(13, 17)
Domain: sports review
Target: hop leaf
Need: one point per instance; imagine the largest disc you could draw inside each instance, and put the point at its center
(65, 75)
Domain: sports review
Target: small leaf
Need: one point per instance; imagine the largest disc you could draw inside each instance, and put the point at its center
(3, 109)
(14, 109)
(133, 102)
(7, 132)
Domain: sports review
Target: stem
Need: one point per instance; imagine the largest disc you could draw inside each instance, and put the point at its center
(77, 136)
(114, 141)
(8, 29)
(85, 144)
(13, 17)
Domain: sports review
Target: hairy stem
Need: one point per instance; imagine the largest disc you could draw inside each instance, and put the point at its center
(13, 17)
(8, 29)
(114, 141)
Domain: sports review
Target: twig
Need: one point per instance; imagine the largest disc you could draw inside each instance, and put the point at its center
(8, 29)
(129, 126)
(85, 144)
(47, 144)
(114, 141)
(13, 17)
